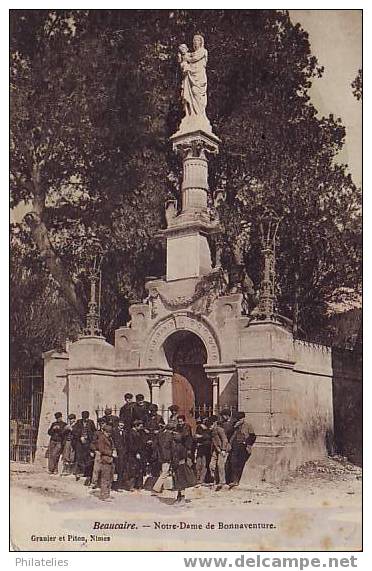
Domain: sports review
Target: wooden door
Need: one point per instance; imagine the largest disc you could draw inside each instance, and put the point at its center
(183, 396)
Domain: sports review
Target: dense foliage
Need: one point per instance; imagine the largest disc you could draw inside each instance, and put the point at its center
(94, 99)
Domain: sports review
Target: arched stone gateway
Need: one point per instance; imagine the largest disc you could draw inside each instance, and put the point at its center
(181, 322)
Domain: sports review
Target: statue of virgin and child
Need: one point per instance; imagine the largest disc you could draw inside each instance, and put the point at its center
(194, 85)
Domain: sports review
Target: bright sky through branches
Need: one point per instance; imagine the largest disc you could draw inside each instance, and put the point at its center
(336, 40)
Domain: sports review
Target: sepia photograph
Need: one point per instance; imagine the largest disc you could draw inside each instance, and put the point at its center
(185, 268)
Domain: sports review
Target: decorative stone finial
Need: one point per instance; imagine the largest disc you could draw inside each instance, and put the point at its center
(265, 309)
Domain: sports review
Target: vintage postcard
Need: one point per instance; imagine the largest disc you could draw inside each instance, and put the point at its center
(186, 323)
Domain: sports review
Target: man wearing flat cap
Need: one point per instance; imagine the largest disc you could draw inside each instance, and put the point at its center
(105, 446)
(227, 421)
(119, 437)
(56, 443)
(136, 447)
(84, 431)
(140, 409)
(126, 411)
(109, 418)
(241, 443)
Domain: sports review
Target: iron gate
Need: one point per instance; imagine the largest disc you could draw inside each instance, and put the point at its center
(26, 395)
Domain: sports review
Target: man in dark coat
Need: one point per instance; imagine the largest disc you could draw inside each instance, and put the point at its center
(56, 442)
(241, 443)
(173, 410)
(220, 450)
(154, 419)
(163, 451)
(185, 431)
(105, 446)
(84, 431)
(154, 424)
(183, 474)
(227, 421)
(109, 418)
(97, 456)
(140, 409)
(119, 437)
(203, 440)
(126, 411)
(136, 447)
(68, 451)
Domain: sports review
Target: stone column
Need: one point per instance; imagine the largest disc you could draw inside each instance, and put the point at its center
(195, 181)
(193, 148)
(155, 382)
(188, 253)
(216, 392)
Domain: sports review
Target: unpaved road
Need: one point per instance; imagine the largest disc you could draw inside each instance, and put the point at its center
(317, 508)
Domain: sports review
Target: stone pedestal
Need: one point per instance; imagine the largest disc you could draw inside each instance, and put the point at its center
(90, 379)
(188, 253)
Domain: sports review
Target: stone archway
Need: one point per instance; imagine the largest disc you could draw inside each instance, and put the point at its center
(191, 388)
(183, 344)
(182, 321)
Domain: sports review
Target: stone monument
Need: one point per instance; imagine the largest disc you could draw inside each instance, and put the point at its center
(189, 342)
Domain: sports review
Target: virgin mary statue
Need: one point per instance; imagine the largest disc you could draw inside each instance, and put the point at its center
(194, 84)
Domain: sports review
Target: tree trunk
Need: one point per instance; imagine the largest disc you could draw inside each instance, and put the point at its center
(40, 235)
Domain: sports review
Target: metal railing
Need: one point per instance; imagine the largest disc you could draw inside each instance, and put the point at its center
(200, 411)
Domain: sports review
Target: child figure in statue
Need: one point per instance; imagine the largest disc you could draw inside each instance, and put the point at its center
(183, 53)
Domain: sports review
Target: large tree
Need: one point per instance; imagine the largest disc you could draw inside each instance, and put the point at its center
(95, 97)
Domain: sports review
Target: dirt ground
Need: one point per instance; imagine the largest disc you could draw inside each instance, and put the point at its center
(318, 507)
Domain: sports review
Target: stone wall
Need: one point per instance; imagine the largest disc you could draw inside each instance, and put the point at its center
(348, 403)
(313, 389)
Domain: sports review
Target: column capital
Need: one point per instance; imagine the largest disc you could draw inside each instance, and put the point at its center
(214, 379)
(155, 380)
(195, 143)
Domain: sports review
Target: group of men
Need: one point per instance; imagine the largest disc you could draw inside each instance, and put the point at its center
(144, 451)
